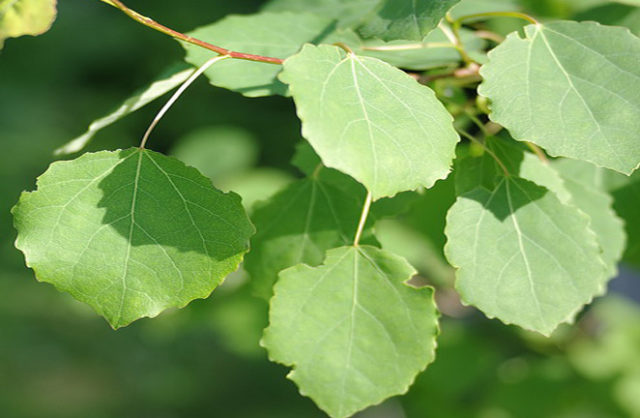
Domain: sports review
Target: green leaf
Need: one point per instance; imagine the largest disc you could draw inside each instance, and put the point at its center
(299, 224)
(406, 19)
(523, 256)
(168, 81)
(25, 17)
(353, 331)
(626, 197)
(130, 233)
(218, 152)
(370, 120)
(583, 182)
(570, 88)
(277, 35)
(347, 12)
(574, 183)
(470, 7)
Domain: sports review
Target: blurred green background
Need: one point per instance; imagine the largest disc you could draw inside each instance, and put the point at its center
(58, 359)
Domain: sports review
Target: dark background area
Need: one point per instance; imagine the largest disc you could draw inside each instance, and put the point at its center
(58, 359)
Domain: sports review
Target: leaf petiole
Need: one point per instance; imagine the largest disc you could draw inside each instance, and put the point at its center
(177, 95)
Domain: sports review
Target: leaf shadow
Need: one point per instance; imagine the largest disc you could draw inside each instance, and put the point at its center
(154, 200)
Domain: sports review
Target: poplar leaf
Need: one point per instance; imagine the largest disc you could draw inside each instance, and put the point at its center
(302, 222)
(278, 35)
(406, 19)
(522, 255)
(130, 233)
(370, 120)
(570, 88)
(347, 13)
(25, 17)
(352, 330)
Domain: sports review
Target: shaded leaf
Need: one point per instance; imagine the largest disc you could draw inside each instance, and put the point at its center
(570, 88)
(299, 224)
(347, 12)
(278, 35)
(370, 120)
(406, 19)
(353, 331)
(522, 255)
(130, 233)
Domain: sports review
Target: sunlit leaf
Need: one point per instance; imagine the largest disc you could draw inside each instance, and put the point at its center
(370, 120)
(25, 17)
(352, 330)
(522, 255)
(570, 88)
(130, 233)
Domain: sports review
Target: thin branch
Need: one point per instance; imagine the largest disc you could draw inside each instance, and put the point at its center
(189, 39)
(177, 95)
(363, 219)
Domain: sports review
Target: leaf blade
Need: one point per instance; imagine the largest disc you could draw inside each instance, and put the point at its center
(335, 361)
(530, 260)
(130, 233)
(570, 91)
(357, 124)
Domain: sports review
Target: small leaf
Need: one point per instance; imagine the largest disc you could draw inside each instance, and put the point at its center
(130, 233)
(171, 79)
(278, 35)
(25, 17)
(299, 224)
(370, 120)
(353, 331)
(523, 256)
(406, 19)
(570, 88)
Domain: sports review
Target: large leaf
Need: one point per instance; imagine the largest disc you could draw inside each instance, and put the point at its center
(570, 88)
(277, 35)
(523, 256)
(25, 17)
(130, 233)
(406, 19)
(347, 12)
(352, 330)
(299, 224)
(370, 120)
(575, 183)
(171, 79)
